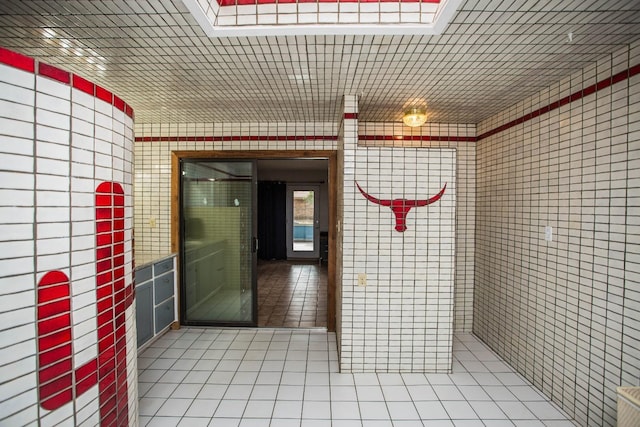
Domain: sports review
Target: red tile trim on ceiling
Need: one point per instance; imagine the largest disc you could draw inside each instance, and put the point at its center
(258, 2)
(25, 63)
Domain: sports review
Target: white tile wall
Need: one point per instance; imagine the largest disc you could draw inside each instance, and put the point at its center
(47, 202)
(17, 334)
(153, 165)
(461, 138)
(564, 312)
(153, 179)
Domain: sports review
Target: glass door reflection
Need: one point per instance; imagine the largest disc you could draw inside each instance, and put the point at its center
(218, 256)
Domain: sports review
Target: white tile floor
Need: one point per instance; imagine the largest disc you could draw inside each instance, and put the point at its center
(279, 378)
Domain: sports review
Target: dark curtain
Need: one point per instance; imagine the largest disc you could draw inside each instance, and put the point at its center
(272, 198)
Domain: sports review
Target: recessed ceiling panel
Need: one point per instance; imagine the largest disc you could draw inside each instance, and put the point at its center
(221, 18)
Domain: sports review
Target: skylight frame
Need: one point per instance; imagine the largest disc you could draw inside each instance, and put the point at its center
(207, 14)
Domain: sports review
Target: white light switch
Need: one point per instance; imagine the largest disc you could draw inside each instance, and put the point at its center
(548, 233)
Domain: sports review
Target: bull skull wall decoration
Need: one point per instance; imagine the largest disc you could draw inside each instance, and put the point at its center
(401, 207)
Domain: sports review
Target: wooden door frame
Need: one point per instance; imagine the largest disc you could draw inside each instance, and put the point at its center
(330, 155)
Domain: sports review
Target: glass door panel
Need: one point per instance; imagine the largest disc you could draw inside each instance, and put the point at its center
(218, 253)
(303, 223)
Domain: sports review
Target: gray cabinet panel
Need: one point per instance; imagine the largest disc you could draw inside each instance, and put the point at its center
(155, 299)
(164, 315)
(144, 312)
(163, 287)
(162, 266)
(143, 274)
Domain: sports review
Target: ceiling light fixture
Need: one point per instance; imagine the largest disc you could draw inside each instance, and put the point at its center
(414, 117)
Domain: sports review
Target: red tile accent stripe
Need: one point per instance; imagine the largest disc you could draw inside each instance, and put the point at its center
(17, 60)
(237, 138)
(350, 116)
(104, 94)
(416, 138)
(303, 138)
(602, 84)
(54, 73)
(128, 110)
(118, 103)
(84, 85)
(26, 63)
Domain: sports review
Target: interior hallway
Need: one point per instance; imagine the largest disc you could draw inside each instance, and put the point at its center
(292, 294)
(276, 377)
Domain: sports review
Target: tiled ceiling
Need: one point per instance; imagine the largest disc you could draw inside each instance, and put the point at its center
(153, 54)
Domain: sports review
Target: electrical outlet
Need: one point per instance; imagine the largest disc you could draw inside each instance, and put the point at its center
(152, 222)
(362, 279)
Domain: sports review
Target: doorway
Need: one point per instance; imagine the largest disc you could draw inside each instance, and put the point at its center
(303, 221)
(309, 236)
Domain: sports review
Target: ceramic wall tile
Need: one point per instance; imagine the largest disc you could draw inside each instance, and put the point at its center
(556, 220)
(60, 244)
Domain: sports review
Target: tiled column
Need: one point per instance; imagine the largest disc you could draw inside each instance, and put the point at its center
(349, 142)
(68, 328)
(398, 258)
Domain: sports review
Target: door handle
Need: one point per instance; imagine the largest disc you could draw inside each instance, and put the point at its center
(255, 245)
